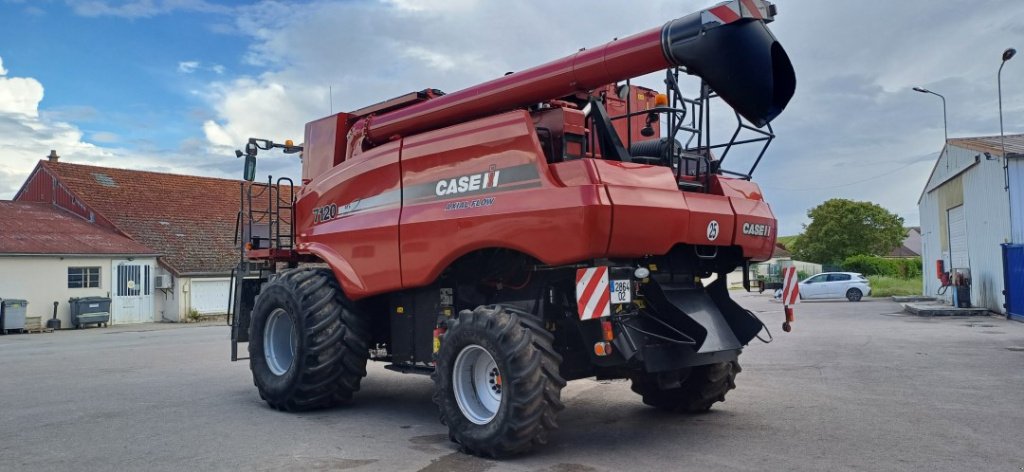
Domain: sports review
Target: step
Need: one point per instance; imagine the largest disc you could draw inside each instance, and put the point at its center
(931, 309)
(913, 299)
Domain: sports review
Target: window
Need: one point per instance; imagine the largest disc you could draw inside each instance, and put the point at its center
(838, 277)
(817, 279)
(83, 277)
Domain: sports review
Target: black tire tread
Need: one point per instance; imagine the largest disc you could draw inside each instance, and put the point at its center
(533, 368)
(705, 386)
(336, 343)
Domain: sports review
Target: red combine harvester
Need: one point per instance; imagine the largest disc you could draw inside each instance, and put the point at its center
(554, 224)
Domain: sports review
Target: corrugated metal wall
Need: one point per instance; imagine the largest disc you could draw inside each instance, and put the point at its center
(986, 209)
(1017, 200)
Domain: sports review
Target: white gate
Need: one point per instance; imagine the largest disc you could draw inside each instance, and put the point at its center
(958, 239)
(132, 294)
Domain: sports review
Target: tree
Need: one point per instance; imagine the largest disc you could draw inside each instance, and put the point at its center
(842, 228)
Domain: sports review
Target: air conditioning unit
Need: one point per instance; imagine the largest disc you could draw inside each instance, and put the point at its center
(163, 281)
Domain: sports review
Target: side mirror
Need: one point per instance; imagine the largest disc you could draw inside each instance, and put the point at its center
(250, 168)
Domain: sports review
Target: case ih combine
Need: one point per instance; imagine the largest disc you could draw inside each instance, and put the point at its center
(553, 224)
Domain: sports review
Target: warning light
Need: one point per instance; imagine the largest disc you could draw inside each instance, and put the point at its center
(660, 100)
(602, 349)
(289, 143)
(606, 330)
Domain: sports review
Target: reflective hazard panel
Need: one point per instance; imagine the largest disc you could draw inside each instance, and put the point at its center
(593, 293)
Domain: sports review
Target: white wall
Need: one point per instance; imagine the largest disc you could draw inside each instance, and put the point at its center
(931, 247)
(168, 301)
(43, 280)
(1016, 169)
(987, 209)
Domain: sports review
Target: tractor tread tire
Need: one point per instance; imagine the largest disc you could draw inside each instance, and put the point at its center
(333, 345)
(705, 386)
(530, 366)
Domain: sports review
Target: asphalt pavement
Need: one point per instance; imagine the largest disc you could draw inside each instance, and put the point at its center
(855, 386)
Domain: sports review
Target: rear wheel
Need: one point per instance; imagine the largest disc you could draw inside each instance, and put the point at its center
(496, 383)
(854, 295)
(307, 345)
(704, 386)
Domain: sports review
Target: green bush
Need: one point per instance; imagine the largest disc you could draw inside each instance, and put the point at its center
(874, 265)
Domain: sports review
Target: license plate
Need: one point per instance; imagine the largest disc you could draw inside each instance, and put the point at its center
(622, 291)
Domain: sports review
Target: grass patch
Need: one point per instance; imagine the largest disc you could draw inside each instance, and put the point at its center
(882, 286)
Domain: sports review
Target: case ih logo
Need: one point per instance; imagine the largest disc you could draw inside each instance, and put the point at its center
(753, 229)
(467, 183)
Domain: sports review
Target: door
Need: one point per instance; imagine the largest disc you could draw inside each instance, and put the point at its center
(132, 294)
(958, 238)
(814, 287)
(210, 297)
(837, 285)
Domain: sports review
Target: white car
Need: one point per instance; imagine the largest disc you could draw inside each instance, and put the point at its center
(851, 285)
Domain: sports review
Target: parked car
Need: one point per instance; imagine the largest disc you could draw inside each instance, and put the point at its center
(851, 285)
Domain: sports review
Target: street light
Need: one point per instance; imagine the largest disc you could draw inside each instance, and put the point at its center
(1007, 55)
(945, 125)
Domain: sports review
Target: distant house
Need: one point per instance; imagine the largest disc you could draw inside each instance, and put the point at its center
(911, 246)
(781, 257)
(48, 255)
(189, 221)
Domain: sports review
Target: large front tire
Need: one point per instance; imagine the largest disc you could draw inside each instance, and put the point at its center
(704, 386)
(307, 345)
(496, 382)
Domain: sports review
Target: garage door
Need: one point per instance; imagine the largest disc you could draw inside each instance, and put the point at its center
(958, 238)
(210, 297)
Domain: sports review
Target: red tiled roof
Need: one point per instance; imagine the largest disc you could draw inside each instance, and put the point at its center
(191, 220)
(780, 252)
(41, 228)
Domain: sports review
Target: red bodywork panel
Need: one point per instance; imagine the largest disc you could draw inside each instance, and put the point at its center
(396, 216)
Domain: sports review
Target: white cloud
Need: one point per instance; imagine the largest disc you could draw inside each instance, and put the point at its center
(27, 136)
(188, 67)
(143, 8)
(105, 137)
(2, 70)
(218, 69)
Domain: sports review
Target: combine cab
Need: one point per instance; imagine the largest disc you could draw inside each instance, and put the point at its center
(557, 223)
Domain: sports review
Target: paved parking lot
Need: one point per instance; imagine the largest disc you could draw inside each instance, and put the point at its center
(857, 386)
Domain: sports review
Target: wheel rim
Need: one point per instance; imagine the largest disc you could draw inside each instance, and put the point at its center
(477, 383)
(854, 295)
(279, 340)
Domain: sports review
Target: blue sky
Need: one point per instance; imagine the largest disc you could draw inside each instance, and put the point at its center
(175, 85)
(122, 79)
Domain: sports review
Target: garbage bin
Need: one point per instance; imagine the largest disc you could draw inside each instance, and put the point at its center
(12, 315)
(89, 310)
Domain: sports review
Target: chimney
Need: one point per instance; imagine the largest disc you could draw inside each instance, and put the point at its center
(53, 157)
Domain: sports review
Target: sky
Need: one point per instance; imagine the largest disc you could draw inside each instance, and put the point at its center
(177, 85)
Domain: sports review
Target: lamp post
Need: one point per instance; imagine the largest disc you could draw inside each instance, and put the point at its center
(1007, 55)
(945, 123)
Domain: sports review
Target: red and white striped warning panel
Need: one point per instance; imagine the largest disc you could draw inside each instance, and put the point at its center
(729, 12)
(790, 287)
(593, 296)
